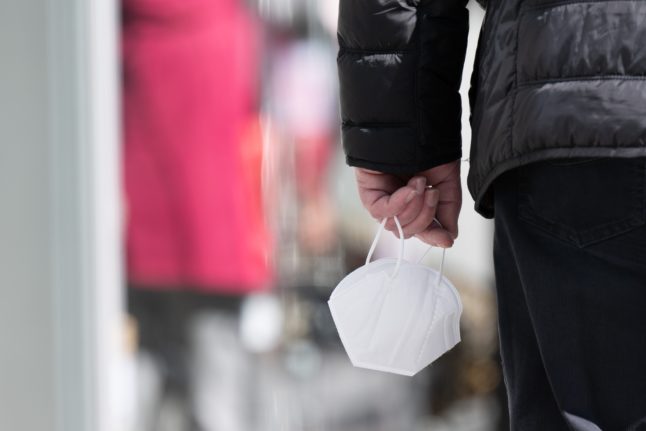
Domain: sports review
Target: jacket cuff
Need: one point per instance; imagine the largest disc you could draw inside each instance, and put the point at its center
(393, 150)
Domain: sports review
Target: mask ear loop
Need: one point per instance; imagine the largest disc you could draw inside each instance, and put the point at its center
(400, 257)
(437, 286)
(439, 277)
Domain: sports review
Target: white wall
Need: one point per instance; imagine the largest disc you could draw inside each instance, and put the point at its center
(60, 306)
(26, 336)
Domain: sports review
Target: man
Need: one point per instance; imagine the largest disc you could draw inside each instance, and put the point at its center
(559, 139)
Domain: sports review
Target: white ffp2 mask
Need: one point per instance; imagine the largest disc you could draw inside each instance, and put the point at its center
(396, 316)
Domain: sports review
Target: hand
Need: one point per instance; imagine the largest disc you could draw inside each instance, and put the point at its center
(414, 203)
(446, 180)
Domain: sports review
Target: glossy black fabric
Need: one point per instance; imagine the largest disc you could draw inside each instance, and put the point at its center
(553, 79)
(400, 66)
(557, 79)
(569, 253)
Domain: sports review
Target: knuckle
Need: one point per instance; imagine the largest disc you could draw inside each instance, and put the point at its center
(376, 211)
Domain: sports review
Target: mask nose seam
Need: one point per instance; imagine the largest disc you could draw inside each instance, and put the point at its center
(427, 335)
(389, 284)
(407, 326)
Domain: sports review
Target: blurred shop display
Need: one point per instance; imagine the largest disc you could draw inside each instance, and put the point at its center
(192, 146)
(196, 241)
(241, 218)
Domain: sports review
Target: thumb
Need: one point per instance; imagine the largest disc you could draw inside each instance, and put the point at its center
(389, 205)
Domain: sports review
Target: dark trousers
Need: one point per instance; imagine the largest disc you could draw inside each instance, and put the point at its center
(570, 261)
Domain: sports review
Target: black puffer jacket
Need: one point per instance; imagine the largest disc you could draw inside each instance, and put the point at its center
(552, 79)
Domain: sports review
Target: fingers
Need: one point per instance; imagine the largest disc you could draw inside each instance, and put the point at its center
(412, 208)
(382, 203)
(446, 179)
(373, 186)
(444, 233)
(385, 196)
(425, 216)
(436, 236)
(376, 181)
(448, 209)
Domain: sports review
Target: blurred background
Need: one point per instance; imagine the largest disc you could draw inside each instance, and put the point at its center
(176, 211)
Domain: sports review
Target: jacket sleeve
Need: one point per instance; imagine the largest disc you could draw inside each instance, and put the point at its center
(400, 67)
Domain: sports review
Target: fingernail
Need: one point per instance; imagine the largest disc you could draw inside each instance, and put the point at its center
(432, 198)
(420, 184)
(410, 196)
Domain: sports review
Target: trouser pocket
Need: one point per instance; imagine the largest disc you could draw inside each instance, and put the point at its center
(583, 201)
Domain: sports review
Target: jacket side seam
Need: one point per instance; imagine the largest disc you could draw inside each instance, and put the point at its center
(556, 4)
(514, 89)
(538, 82)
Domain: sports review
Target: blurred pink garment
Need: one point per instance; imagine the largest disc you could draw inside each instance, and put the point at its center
(192, 147)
